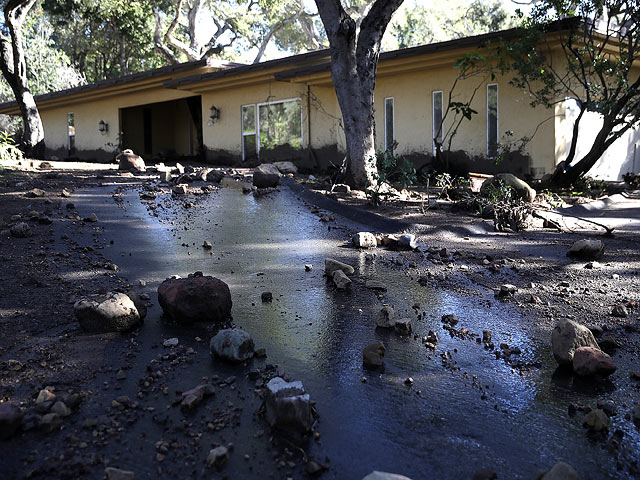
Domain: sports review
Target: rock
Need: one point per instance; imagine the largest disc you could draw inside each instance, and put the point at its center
(331, 265)
(450, 319)
(386, 318)
(207, 245)
(520, 188)
(390, 242)
(10, 419)
(432, 338)
(266, 175)
(620, 311)
(608, 343)
(45, 166)
(313, 468)
(197, 298)
(592, 265)
(50, 422)
(567, 336)
(341, 281)
(61, 409)
(486, 336)
(112, 473)
(586, 249)
(93, 218)
(288, 406)
(596, 420)
(286, 168)
(340, 188)
(232, 344)
(561, 471)
(127, 160)
(364, 240)
(407, 242)
(385, 476)
(180, 189)
(111, 312)
(192, 398)
(171, 342)
(20, 230)
(507, 290)
(403, 326)
(36, 192)
(373, 355)
(485, 474)
(589, 361)
(45, 396)
(138, 302)
(214, 176)
(266, 297)
(308, 267)
(375, 285)
(218, 457)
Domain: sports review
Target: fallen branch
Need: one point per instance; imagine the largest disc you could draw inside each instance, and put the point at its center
(608, 230)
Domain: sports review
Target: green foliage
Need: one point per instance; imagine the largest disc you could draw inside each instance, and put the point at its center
(498, 192)
(392, 169)
(8, 149)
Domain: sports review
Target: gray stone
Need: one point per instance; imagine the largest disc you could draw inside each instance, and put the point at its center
(385, 476)
(127, 160)
(10, 419)
(171, 342)
(407, 241)
(376, 285)
(286, 168)
(589, 361)
(386, 318)
(620, 311)
(50, 422)
(521, 189)
(561, 471)
(331, 265)
(20, 230)
(596, 420)
(341, 281)
(373, 355)
(61, 409)
(567, 336)
(586, 249)
(111, 312)
(364, 240)
(218, 457)
(192, 398)
(341, 188)
(266, 175)
(197, 298)
(138, 302)
(36, 192)
(403, 326)
(288, 406)
(45, 396)
(232, 344)
(112, 473)
(180, 189)
(507, 290)
(213, 176)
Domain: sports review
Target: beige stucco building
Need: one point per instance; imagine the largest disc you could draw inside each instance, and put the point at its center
(287, 109)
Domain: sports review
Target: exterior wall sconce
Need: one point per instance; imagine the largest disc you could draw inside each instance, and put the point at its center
(103, 127)
(215, 114)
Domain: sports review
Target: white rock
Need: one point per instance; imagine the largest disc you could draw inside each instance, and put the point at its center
(364, 240)
(288, 406)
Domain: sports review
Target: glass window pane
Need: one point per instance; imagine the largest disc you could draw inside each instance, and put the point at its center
(492, 120)
(249, 119)
(437, 118)
(248, 146)
(388, 123)
(280, 124)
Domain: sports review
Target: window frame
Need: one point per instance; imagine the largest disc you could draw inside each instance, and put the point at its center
(433, 117)
(71, 148)
(275, 102)
(255, 128)
(489, 153)
(393, 123)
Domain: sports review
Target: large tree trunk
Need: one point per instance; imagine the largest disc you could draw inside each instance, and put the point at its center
(14, 69)
(354, 61)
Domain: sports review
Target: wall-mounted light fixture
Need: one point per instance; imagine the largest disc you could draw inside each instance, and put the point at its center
(215, 114)
(103, 127)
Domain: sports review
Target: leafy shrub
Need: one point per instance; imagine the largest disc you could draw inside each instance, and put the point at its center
(8, 148)
(392, 168)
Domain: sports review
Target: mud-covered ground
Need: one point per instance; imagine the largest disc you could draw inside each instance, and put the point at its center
(64, 258)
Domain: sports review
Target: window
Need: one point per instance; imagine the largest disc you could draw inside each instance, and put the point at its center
(71, 133)
(492, 120)
(388, 123)
(438, 134)
(249, 147)
(280, 123)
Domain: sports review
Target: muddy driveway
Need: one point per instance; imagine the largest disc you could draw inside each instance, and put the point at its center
(463, 409)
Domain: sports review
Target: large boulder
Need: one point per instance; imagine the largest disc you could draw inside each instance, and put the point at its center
(373, 355)
(386, 318)
(127, 160)
(232, 344)
(588, 361)
(568, 336)
(288, 406)
(364, 240)
(521, 189)
(21, 230)
(341, 281)
(331, 265)
(286, 168)
(266, 175)
(195, 298)
(586, 249)
(110, 312)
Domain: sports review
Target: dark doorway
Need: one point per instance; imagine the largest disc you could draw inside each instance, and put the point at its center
(147, 128)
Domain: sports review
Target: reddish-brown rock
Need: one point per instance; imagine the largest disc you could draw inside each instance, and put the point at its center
(197, 298)
(589, 361)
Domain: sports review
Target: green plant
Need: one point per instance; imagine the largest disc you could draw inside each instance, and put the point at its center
(392, 168)
(8, 149)
(498, 192)
(448, 184)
